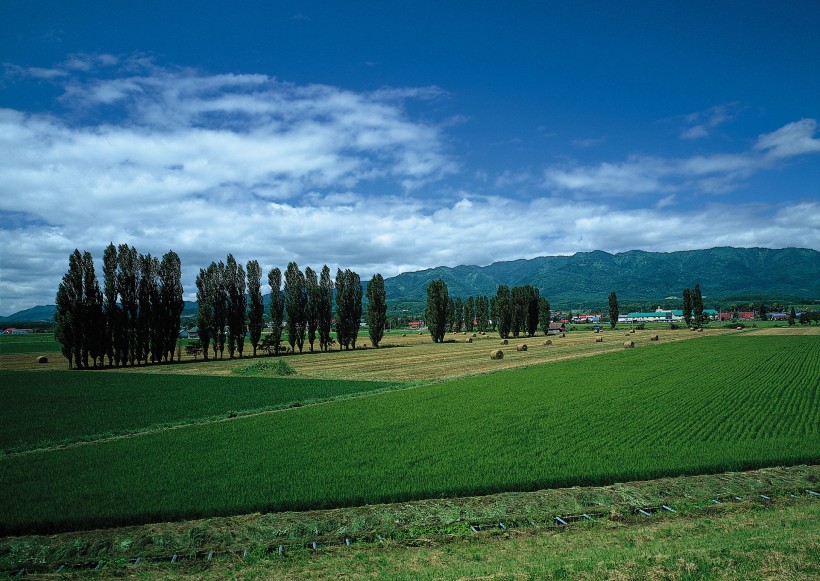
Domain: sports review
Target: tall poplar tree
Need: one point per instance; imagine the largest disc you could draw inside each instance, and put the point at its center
(469, 314)
(533, 307)
(376, 309)
(504, 312)
(687, 306)
(94, 324)
(69, 316)
(325, 308)
(127, 279)
(205, 303)
(296, 306)
(277, 308)
(697, 305)
(544, 314)
(112, 310)
(613, 309)
(348, 307)
(436, 312)
(458, 314)
(312, 305)
(256, 309)
(236, 305)
(170, 280)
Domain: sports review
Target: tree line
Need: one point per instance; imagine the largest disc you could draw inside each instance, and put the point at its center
(511, 311)
(133, 319)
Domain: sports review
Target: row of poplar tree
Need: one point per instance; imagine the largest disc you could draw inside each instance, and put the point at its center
(133, 319)
(511, 311)
(229, 308)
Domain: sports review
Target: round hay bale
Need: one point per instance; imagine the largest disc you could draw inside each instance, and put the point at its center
(505, 342)
(469, 340)
(632, 331)
(420, 333)
(739, 328)
(474, 335)
(522, 347)
(700, 329)
(599, 340)
(626, 334)
(655, 338)
(497, 354)
(404, 334)
(548, 342)
(483, 333)
(629, 344)
(42, 359)
(563, 335)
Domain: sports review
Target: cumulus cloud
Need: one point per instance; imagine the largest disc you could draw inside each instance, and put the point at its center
(206, 165)
(701, 124)
(715, 173)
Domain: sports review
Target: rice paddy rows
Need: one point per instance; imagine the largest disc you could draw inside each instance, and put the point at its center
(688, 407)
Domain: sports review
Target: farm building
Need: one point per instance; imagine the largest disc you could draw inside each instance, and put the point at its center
(742, 315)
(556, 328)
(662, 316)
(416, 324)
(14, 331)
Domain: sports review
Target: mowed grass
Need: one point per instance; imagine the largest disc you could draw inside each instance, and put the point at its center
(712, 405)
(39, 409)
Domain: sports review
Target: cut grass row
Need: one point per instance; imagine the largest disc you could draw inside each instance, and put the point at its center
(716, 404)
(51, 407)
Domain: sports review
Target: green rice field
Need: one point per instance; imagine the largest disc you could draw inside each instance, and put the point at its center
(41, 408)
(716, 404)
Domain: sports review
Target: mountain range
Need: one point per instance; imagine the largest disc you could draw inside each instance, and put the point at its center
(585, 279)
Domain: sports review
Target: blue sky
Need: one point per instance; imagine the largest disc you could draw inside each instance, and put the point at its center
(401, 136)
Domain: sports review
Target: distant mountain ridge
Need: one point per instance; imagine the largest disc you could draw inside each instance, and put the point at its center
(587, 278)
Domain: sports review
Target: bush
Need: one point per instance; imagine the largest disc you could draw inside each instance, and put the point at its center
(277, 368)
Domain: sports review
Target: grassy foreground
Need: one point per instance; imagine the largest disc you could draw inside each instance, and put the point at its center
(747, 538)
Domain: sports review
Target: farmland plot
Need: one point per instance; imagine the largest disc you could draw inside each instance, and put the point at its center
(716, 404)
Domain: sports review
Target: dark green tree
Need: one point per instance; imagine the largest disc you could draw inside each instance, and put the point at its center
(94, 318)
(296, 306)
(312, 306)
(482, 312)
(277, 308)
(544, 314)
(237, 305)
(376, 309)
(687, 307)
(697, 306)
(533, 309)
(469, 314)
(256, 308)
(325, 308)
(613, 309)
(69, 316)
(504, 310)
(170, 281)
(220, 294)
(792, 317)
(127, 279)
(112, 310)
(763, 313)
(437, 310)
(451, 314)
(458, 315)
(348, 307)
(205, 303)
(148, 299)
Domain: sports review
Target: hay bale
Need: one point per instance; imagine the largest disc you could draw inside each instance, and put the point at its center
(563, 335)
(599, 340)
(739, 328)
(469, 340)
(420, 333)
(522, 347)
(629, 344)
(632, 331)
(655, 338)
(700, 329)
(626, 334)
(474, 335)
(404, 334)
(497, 354)
(505, 342)
(548, 342)
(42, 359)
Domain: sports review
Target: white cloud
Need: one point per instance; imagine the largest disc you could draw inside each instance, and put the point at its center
(790, 140)
(702, 123)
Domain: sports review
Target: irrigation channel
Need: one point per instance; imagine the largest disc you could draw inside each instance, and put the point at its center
(281, 550)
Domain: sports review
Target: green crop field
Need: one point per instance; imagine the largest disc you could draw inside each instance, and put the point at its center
(42, 408)
(33, 343)
(716, 404)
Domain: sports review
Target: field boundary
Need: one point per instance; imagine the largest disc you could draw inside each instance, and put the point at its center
(553, 510)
